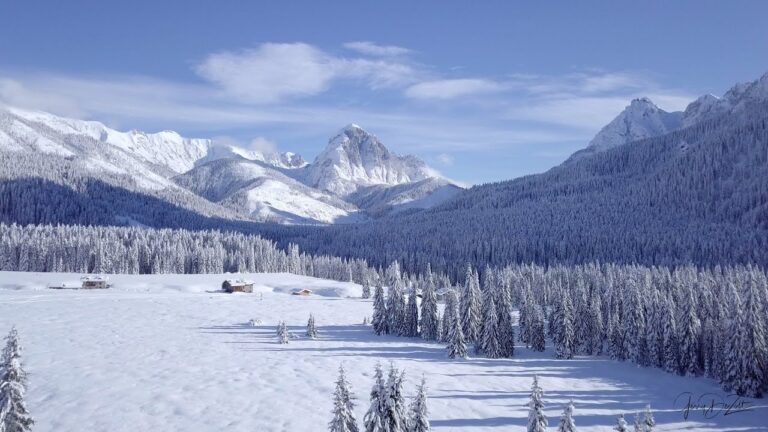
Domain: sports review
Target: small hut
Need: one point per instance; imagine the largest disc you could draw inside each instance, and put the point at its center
(237, 285)
(94, 282)
(303, 292)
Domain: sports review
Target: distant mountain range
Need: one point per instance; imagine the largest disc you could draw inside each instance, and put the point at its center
(652, 187)
(354, 179)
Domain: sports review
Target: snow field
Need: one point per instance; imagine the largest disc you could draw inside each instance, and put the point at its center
(169, 352)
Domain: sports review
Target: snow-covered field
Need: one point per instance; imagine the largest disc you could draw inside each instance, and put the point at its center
(170, 352)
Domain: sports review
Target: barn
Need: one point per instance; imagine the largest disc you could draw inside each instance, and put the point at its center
(237, 285)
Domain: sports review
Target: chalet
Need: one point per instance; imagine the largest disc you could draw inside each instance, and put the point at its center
(94, 282)
(303, 292)
(237, 285)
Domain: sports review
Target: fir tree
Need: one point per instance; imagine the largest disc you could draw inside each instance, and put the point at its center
(366, 288)
(380, 319)
(411, 322)
(537, 422)
(395, 416)
(567, 423)
(14, 416)
(374, 417)
(282, 333)
(638, 423)
(470, 308)
(565, 336)
(671, 347)
(343, 407)
(457, 346)
(536, 329)
(621, 424)
(429, 320)
(690, 338)
(419, 421)
(311, 329)
(395, 300)
(506, 329)
(648, 421)
(489, 342)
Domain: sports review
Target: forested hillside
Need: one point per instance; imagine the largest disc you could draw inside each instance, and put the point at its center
(697, 195)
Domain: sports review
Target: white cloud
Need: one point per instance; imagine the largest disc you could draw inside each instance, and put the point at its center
(452, 88)
(273, 72)
(445, 159)
(373, 49)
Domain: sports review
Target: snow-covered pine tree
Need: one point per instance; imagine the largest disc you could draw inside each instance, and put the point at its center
(671, 349)
(470, 307)
(746, 351)
(638, 423)
(634, 324)
(457, 346)
(419, 421)
(395, 416)
(282, 333)
(374, 417)
(343, 407)
(411, 322)
(311, 328)
(379, 320)
(621, 424)
(536, 329)
(489, 340)
(648, 421)
(449, 315)
(506, 329)
(366, 288)
(429, 320)
(595, 324)
(395, 299)
(565, 343)
(537, 421)
(690, 337)
(567, 423)
(14, 416)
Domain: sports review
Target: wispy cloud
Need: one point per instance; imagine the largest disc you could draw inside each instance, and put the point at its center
(452, 88)
(445, 159)
(273, 72)
(373, 49)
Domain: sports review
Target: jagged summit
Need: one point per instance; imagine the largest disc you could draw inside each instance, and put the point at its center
(355, 158)
(641, 119)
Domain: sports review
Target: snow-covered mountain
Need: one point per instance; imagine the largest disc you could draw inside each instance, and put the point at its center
(265, 193)
(355, 158)
(643, 119)
(236, 182)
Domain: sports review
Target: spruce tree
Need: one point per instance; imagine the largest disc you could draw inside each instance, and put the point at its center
(379, 320)
(14, 416)
(457, 346)
(670, 347)
(638, 423)
(648, 421)
(282, 333)
(429, 320)
(690, 338)
(395, 300)
(395, 417)
(621, 424)
(470, 307)
(374, 417)
(411, 322)
(366, 288)
(506, 328)
(489, 342)
(565, 337)
(536, 329)
(419, 421)
(311, 329)
(343, 407)
(567, 423)
(537, 421)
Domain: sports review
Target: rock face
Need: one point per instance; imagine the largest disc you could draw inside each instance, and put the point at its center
(641, 119)
(354, 159)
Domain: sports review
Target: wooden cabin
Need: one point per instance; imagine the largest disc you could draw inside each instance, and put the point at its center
(303, 292)
(94, 282)
(232, 286)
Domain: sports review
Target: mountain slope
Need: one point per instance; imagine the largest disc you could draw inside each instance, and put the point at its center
(265, 193)
(697, 194)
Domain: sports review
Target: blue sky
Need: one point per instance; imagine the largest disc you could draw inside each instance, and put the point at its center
(483, 91)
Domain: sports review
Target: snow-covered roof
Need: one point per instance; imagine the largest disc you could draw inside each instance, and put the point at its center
(239, 282)
(91, 278)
